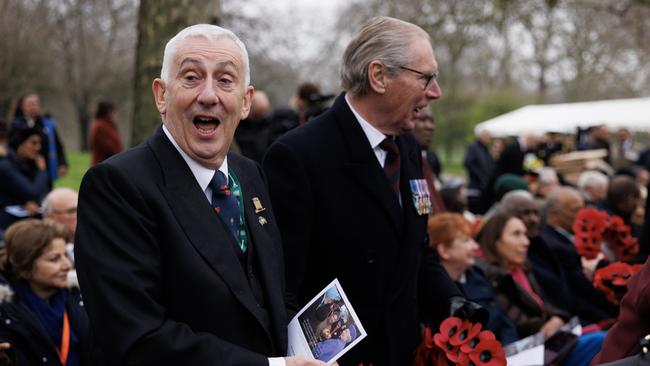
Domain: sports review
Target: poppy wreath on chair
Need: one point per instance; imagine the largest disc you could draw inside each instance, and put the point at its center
(612, 279)
(593, 227)
(620, 239)
(460, 342)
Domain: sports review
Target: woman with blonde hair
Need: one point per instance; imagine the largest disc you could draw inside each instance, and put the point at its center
(43, 321)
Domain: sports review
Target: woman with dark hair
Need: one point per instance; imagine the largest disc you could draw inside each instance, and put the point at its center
(23, 176)
(450, 236)
(504, 245)
(43, 321)
(28, 116)
(105, 140)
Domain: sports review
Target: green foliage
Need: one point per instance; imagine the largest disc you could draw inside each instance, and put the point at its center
(457, 116)
(496, 103)
(79, 162)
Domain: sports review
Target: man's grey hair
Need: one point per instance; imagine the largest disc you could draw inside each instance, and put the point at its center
(209, 31)
(592, 178)
(386, 39)
(511, 199)
(547, 175)
(556, 198)
(46, 205)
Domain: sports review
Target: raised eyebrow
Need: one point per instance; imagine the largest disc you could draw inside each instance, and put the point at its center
(192, 61)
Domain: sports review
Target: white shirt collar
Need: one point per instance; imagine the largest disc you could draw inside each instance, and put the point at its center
(375, 137)
(202, 174)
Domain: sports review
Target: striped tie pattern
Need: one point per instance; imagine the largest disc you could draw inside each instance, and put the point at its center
(391, 164)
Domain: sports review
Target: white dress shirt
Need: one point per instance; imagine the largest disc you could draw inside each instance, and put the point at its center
(374, 136)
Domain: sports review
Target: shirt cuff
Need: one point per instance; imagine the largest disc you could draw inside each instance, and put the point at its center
(277, 361)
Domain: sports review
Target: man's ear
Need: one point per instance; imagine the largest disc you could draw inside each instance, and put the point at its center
(160, 95)
(377, 76)
(246, 105)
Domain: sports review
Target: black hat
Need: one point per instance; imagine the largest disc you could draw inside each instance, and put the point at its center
(19, 135)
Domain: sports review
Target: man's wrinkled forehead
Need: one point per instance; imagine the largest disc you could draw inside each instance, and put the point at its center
(526, 207)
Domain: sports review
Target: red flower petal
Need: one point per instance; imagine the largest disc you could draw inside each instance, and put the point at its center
(465, 333)
(488, 353)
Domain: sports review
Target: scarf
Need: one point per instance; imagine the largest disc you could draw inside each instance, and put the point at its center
(50, 315)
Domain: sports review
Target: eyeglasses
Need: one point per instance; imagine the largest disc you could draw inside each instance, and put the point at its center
(428, 78)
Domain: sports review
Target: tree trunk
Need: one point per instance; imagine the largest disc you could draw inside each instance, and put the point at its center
(84, 121)
(158, 21)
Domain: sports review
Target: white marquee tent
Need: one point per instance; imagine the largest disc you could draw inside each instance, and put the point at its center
(566, 117)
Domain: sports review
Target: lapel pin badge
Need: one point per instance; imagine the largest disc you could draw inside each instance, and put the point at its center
(262, 220)
(258, 205)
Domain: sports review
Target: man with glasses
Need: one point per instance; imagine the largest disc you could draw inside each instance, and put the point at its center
(350, 182)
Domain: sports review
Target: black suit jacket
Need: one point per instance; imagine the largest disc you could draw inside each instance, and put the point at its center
(339, 218)
(511, 160)
(159, 271)
(589, 303)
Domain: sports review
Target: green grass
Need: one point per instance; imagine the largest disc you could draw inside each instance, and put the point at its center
(78, 164)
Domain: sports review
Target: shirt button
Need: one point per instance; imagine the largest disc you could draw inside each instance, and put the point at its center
(7, 321)
(44, 359)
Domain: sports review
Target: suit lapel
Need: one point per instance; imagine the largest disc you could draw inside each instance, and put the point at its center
(207, 234)
(265, 251)
(363, 164)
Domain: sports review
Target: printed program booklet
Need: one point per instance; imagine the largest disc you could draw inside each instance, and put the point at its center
(327, 327)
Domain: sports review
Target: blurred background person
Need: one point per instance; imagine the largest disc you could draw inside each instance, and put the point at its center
(597, 137)
(450, 235)
(45, 321)
(553, 143)
(504, 245)
(105, 140)
(423, 129)
(253, 133)
(28, 115)
(541, 259)
(561, 210)
(479, 165)
(592, 186)
(623, 198)
(60, 205)
(547, 181)
(24, 177)
(309, 102)
(454, 197)
(624, 151)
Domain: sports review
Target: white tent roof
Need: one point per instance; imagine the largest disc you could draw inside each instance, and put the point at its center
(566, 117)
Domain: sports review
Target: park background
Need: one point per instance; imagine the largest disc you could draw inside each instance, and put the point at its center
(494, 55)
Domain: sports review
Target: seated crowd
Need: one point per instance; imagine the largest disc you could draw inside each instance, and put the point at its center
(512, 251)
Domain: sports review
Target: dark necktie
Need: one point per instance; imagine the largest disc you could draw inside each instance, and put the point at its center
(391, 164)
(225, 203)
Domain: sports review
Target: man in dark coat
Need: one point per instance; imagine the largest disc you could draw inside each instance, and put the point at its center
(587, 302)
(351, 200)
(177, 253)
(479, 165)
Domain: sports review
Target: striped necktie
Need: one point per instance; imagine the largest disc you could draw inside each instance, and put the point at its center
(391, 164)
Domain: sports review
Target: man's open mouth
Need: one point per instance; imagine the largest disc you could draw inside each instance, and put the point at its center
(205, 124)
